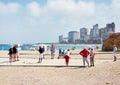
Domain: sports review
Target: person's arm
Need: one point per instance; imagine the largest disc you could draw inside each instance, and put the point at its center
(81, 53)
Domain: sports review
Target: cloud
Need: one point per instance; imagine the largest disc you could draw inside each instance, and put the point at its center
(115, 6)
(56, 17)
(10, 8)
(33, 9)
(69, 7)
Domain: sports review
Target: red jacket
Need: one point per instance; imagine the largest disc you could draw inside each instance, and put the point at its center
(84, 53)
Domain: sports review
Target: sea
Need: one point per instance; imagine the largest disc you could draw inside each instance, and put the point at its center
(57, 46)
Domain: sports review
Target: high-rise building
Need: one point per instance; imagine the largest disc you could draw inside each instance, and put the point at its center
(110, 27)
(84, 34)
(94, 33)
(102, 32)
(91, 33)
(61, 39)
(107, 31)
(73, 36)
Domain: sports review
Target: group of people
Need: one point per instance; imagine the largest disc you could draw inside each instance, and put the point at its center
(13, 54)
(85, 53)
(66, 55)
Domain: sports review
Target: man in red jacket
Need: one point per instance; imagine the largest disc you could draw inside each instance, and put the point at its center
(84, 53)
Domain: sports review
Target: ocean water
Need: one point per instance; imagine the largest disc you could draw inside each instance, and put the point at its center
(22, 47)
(65, 47)
(4, 46)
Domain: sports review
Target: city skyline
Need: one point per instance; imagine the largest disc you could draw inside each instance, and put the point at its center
(95, 35)
(42, 21)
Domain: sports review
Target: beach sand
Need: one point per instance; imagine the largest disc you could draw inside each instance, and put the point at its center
(105, 72)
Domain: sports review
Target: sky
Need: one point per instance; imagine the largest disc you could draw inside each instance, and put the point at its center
(42, 21)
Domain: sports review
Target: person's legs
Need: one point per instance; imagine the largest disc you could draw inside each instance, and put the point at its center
(10, 58)
(17, 57)
(14, 57)
(52, 56)
(90, 61)
(59, 56)
(87, 62)
(83, 61)
(40, 58)
(115, 58)
(93, 61)
(43, 56)
(67, 61)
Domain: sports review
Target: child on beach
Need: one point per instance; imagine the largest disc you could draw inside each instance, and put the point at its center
(10, 54)
(67, 57)
(84, 53)
(92, 54)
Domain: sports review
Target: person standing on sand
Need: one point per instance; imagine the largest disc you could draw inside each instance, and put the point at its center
(17, 53)
(10, 54)
(92, 54)
(84, 53)
(67, 57)
(41, 51)
(52, 50)
(14, 53)
(115, 53)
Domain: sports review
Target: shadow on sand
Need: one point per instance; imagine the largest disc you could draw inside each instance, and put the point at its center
(53, 66)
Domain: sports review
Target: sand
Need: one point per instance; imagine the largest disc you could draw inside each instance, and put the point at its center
(105, 72)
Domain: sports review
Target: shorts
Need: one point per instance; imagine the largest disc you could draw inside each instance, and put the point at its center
(85, 60)
(66, 58)
(114, 54)
(52, 52)
(10, 55)
(41, 55)
(14, 55)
